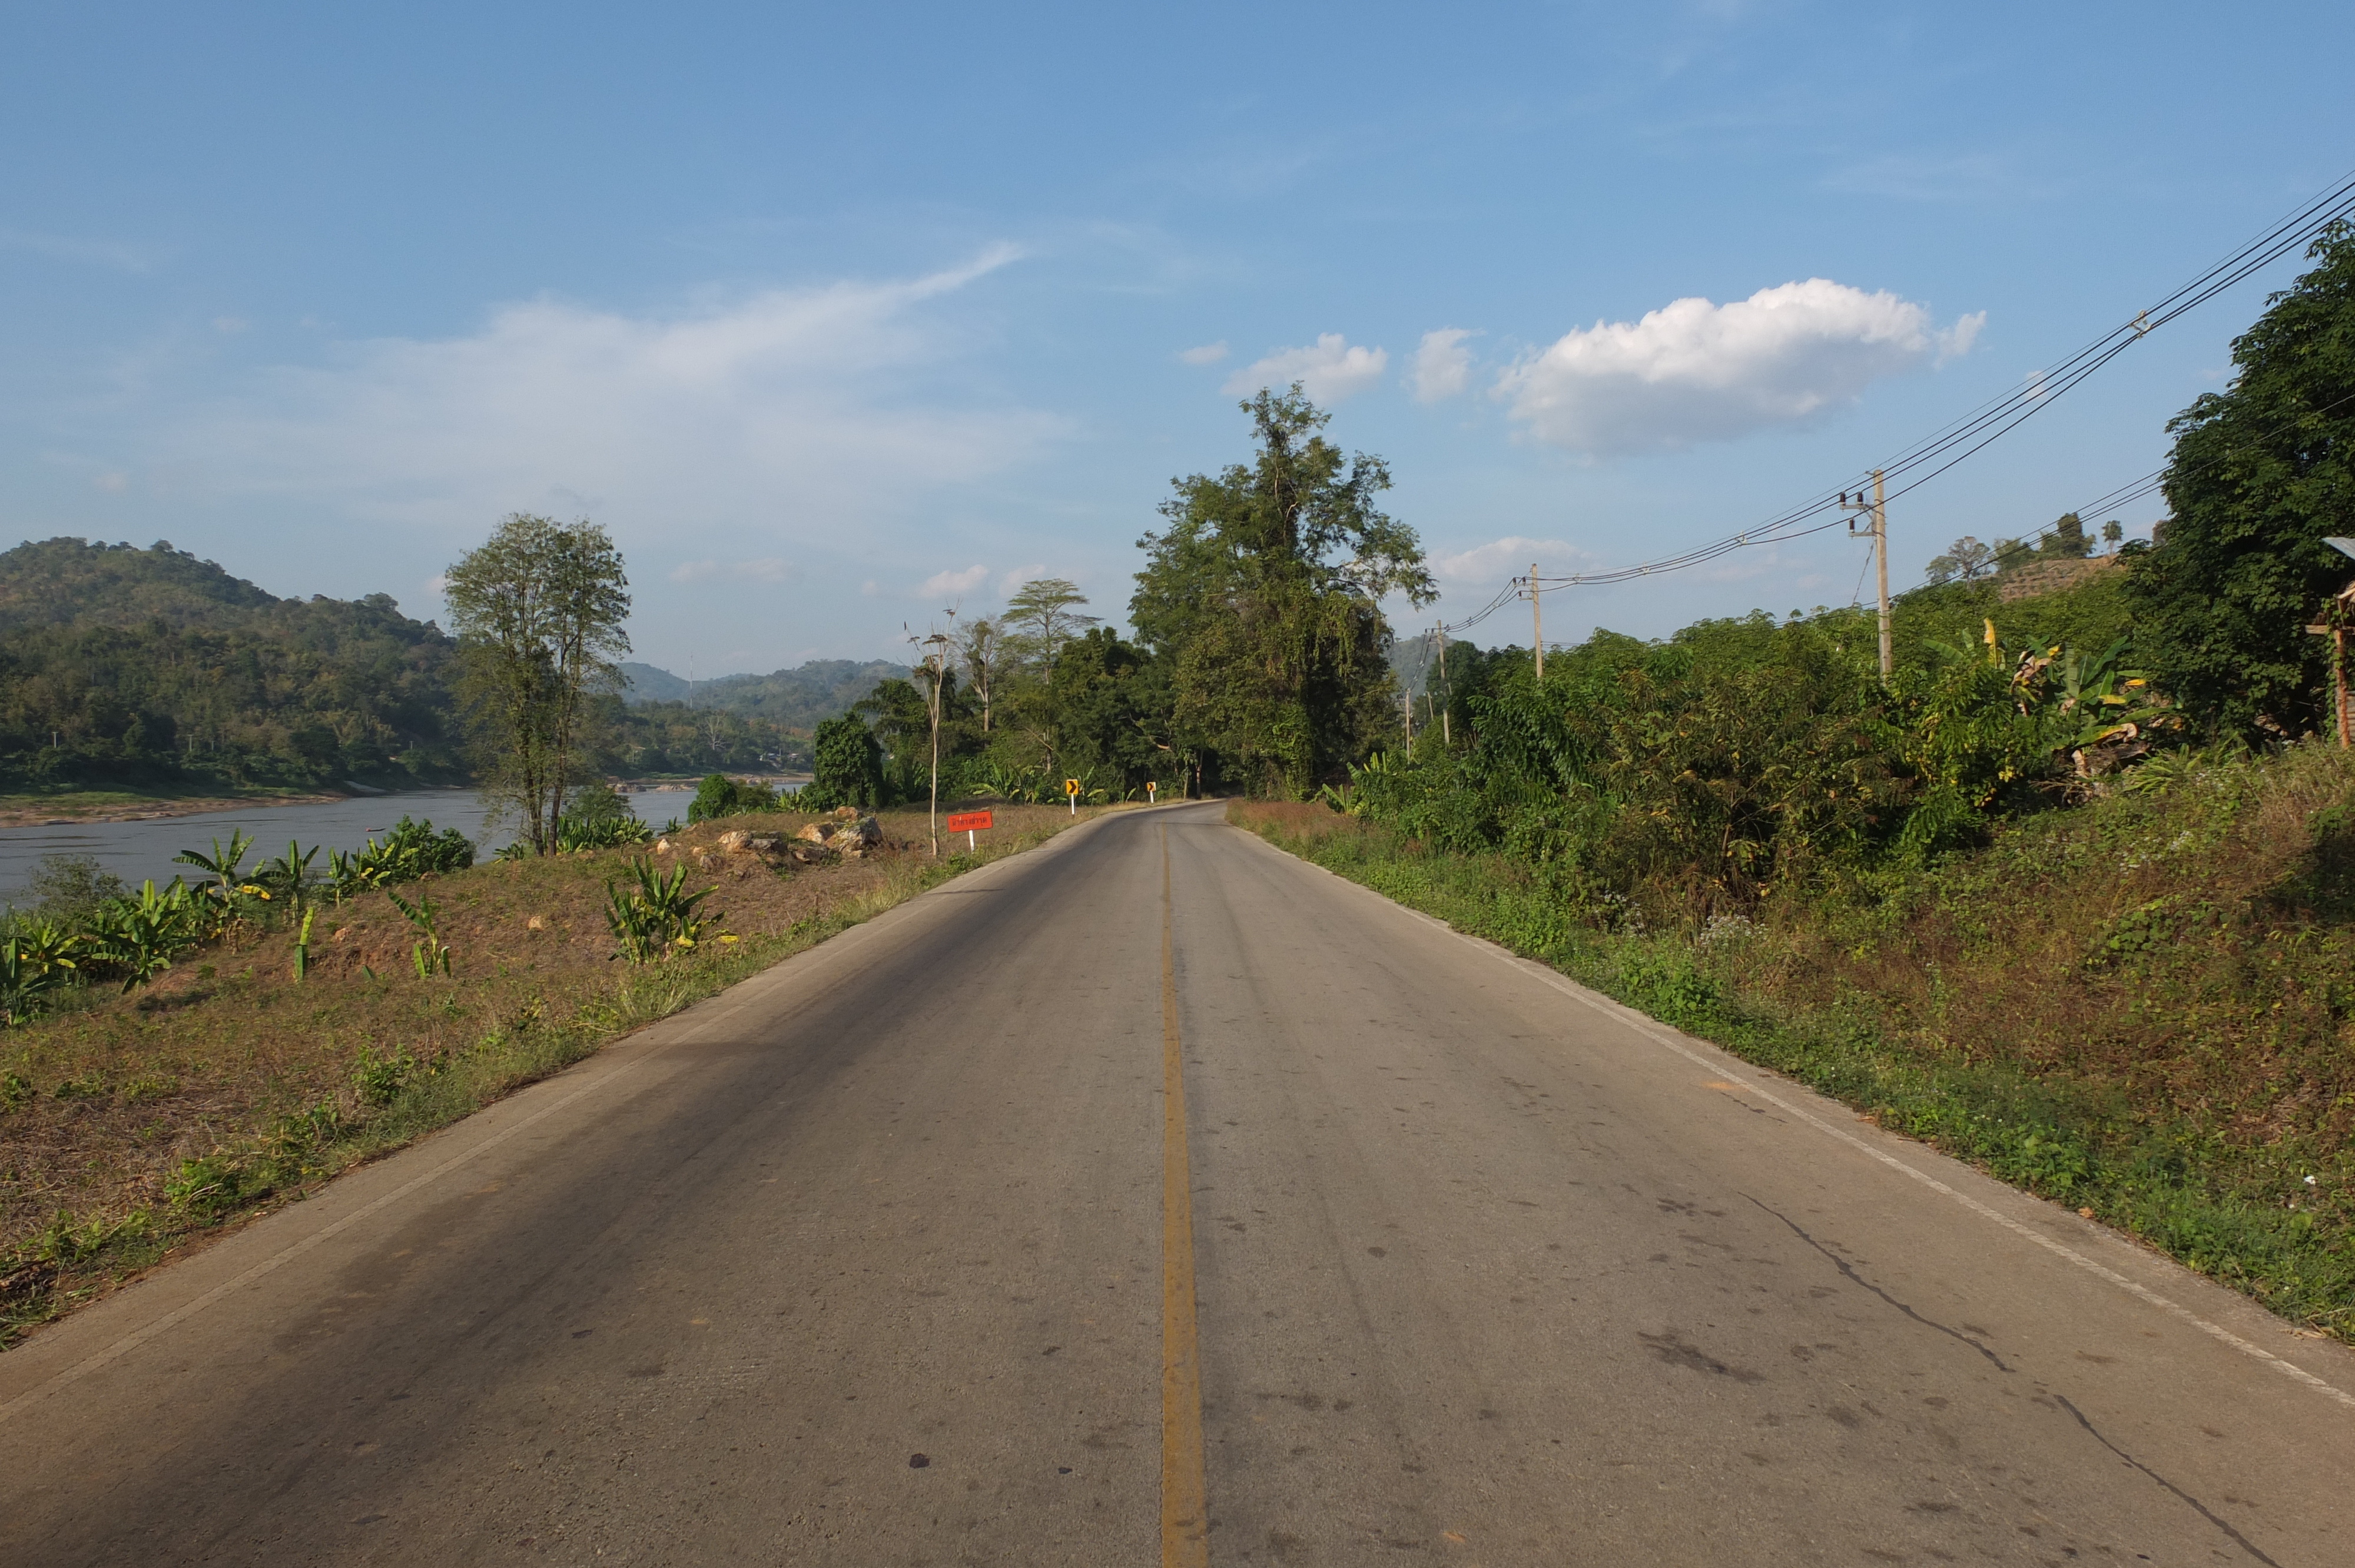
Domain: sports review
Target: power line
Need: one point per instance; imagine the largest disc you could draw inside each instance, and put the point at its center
(1974, 432)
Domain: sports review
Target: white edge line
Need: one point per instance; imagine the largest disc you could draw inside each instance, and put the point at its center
(1659, 1035)
(140, 1335)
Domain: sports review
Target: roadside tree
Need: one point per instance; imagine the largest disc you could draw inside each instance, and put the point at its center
(538, 612)
(1265, 592)
(2261, 473)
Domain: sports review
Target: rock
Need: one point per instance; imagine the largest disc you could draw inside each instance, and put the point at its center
(535, 924)
(868, 830)
(662, 846)
(734, 839)
(814, 832)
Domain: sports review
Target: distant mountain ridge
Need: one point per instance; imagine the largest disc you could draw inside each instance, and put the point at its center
(798, 698)
(70, 582)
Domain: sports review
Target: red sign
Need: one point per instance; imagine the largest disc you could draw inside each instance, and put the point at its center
(967, 822)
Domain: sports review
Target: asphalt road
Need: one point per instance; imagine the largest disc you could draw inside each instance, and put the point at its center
(886, 1257)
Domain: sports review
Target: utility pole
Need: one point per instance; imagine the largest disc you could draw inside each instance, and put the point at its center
(1876, 512)
(2336, 615)
(1444, 738)
(1537, 621)
(938, 659)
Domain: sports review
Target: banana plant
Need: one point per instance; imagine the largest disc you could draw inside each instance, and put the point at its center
(659, 916)
(223, 865)
(431, 953)
(302, 945)
(141, 933)
(287, 876)
(38, 959)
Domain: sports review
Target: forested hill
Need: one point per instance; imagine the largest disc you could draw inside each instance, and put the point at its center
(798, 698)
(64, 582)
(124, 665)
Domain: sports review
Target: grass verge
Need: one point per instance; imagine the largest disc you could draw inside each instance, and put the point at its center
(2191, 1088)
(133, 1127)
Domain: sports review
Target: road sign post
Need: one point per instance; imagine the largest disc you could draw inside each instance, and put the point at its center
(1072, 788)
(1152, 797)
(969, 824)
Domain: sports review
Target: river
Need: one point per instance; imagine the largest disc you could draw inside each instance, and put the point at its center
(138, 852)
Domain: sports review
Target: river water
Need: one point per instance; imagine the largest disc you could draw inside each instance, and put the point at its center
(138, 852)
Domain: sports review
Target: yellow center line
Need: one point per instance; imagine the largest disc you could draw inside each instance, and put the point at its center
(1185, 1519)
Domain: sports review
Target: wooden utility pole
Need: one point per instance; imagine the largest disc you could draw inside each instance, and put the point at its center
(1876, 512)
(1444, 738)
(2336, 615)
(1537, 621)
(938, 660)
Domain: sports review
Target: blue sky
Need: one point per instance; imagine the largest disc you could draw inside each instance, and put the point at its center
(836, 316)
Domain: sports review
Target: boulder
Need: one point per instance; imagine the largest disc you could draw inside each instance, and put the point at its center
(735, 839)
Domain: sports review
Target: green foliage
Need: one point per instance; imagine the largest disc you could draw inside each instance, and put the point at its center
(538, 609)
(430, 954)
(1702, 772)
(137, 936)
(409, 850)
(149, 667)
(68, 886)
(2260, 474)
(655, 917)
(848, 767)
(596, 817)
(1263, 593)
(720, 796)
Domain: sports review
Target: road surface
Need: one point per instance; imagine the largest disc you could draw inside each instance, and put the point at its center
(904, 1254)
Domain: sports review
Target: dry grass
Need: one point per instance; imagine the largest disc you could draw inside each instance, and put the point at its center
(226, 1062)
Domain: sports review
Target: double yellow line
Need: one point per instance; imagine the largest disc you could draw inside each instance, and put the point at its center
(1185, 1518)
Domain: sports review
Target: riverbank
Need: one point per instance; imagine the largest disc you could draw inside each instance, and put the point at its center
(135, 1127)
(2143, 1008)
(66, 807)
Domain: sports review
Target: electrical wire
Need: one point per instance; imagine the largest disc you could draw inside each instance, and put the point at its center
(1974, 432)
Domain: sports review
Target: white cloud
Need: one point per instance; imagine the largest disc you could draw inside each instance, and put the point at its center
(1442, 365)
(1207, 354)
(1956, 341)
(795, 415)
(1328, 369)
(1694, 371)
(1507, 556)
(1014, 579)
(953, 584)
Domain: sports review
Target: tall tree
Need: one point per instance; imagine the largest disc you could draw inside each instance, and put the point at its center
(1043, 615)
(1265, 591)
(981, 647)
(2261, 473)
(538, 612)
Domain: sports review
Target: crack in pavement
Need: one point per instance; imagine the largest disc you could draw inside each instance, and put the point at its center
(1861, 1282)
(1849, 1271)
(2243, 1541)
